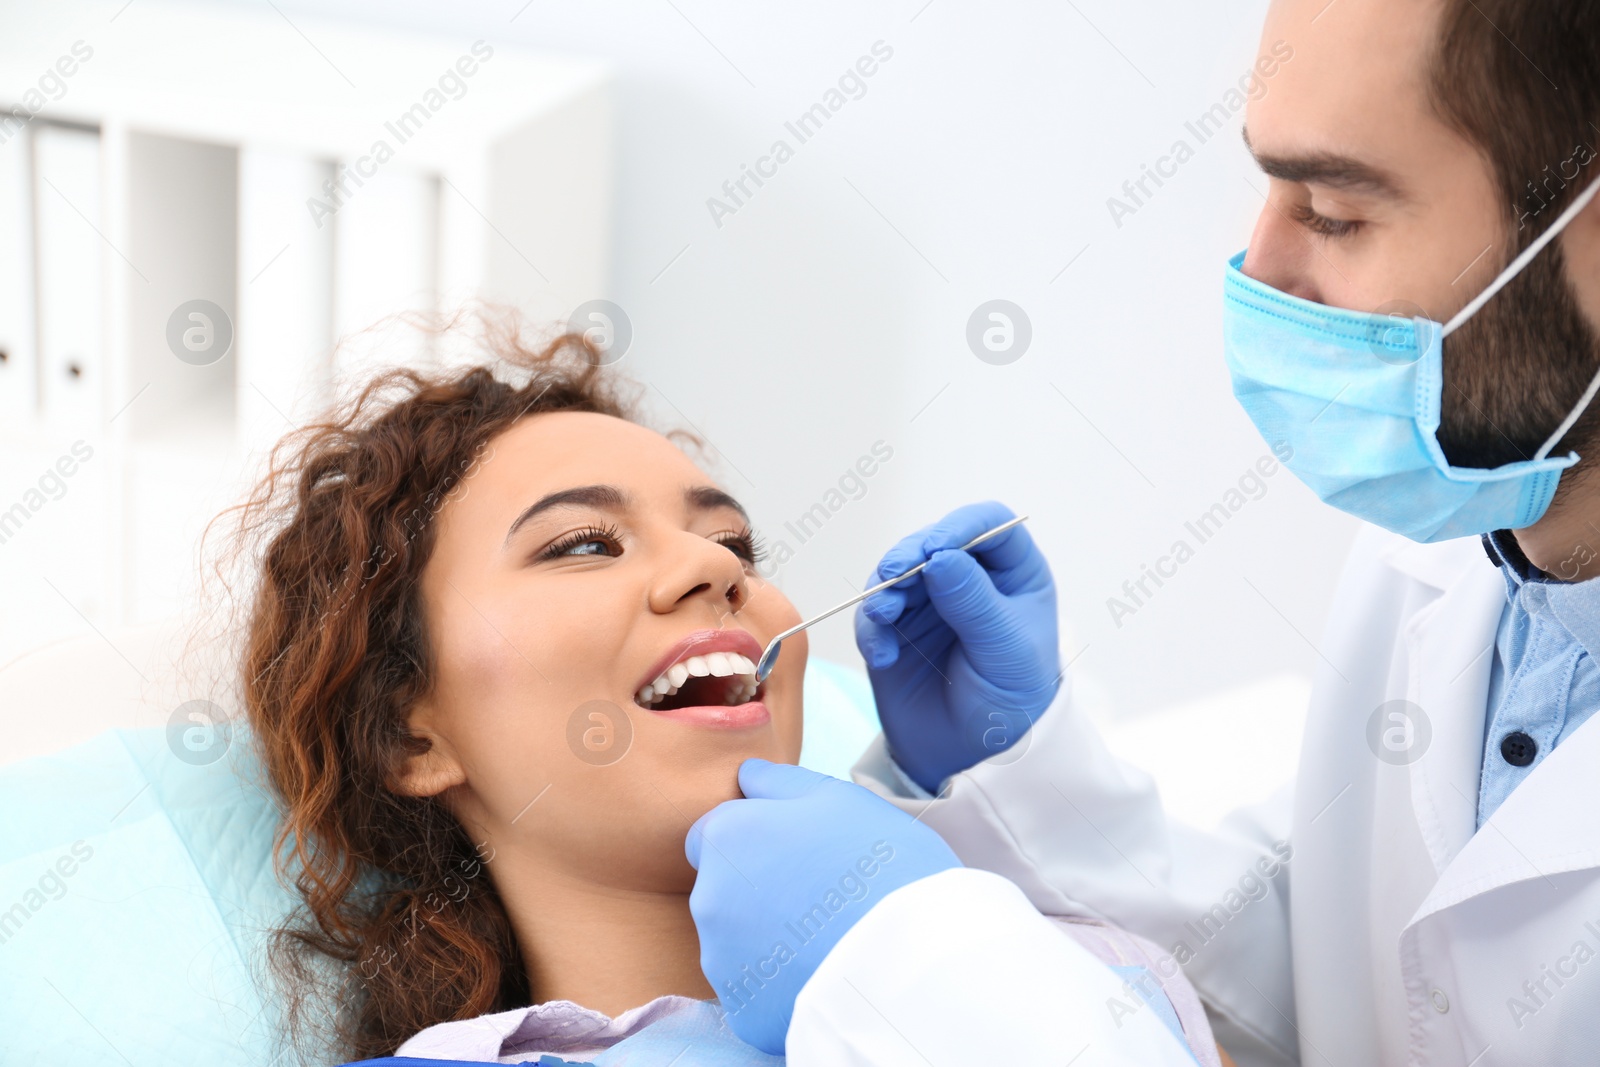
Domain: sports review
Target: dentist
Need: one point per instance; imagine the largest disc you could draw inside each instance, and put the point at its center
(1418, 317)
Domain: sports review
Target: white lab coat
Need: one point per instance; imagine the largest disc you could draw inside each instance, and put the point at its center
(1411, 938)
(918, 981)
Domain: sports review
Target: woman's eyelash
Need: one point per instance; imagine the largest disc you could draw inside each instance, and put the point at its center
(572, 540)
(745, 544)
(1322, 224)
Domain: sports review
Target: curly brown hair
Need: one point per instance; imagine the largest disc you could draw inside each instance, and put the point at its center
(397, 927)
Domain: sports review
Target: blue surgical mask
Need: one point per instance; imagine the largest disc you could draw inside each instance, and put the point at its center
(1351, 400)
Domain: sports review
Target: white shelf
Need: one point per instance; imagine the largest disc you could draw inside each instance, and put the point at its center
(209, 72)
(471, 170)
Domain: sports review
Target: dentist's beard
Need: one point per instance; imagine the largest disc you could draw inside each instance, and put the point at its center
(1515, 369)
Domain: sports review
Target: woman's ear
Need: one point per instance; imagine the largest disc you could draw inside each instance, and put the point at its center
(429, 770)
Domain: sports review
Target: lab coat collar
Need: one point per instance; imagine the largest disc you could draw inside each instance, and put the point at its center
(1546, 826)
(1450, 645)
(1439, 564)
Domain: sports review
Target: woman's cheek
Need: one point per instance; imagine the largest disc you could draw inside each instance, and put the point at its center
(793, 719)
(793, 736)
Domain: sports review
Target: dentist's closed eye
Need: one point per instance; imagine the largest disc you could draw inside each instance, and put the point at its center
(1321, 224)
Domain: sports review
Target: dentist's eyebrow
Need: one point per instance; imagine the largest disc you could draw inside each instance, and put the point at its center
(1327, 168)
(709, 498)
(605, 497)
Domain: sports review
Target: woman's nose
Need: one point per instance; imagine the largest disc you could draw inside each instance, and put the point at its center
(700, 570)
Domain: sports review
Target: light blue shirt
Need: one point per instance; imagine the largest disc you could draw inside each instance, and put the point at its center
(1545, 681)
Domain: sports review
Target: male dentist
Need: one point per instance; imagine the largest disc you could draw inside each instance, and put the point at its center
(1432, 893)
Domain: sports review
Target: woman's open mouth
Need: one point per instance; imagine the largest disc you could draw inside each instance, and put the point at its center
(706, 679)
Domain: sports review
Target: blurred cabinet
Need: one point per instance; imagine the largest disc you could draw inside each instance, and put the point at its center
(205, 230)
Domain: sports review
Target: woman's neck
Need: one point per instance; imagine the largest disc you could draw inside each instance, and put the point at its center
(600, 947)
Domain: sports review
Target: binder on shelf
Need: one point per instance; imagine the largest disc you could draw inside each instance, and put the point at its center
(67, 251)
(285, 327)
(19, 385)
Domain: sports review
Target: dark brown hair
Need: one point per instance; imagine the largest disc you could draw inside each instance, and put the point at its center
(400, 926)
(1520, 79)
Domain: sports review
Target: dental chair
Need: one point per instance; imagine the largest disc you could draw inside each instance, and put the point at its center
(136, 882)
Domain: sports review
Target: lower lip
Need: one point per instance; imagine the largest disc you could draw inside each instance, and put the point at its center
(724, 717)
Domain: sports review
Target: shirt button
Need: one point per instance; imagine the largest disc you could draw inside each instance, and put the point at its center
(1441, 1003)
(1518, 749)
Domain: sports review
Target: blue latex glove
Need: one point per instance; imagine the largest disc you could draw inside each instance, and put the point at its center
(963, 657)
(783, 874)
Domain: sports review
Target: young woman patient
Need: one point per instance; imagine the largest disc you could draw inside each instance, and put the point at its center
(500, 658)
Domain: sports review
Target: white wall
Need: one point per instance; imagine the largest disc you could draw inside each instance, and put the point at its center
(831, 308)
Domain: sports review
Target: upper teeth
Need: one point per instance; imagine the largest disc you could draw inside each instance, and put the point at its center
(714, 664)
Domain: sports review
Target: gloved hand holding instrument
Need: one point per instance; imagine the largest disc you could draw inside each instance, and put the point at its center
(963, 658)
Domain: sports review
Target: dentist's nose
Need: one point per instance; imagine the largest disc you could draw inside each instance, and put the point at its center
(1279, 254)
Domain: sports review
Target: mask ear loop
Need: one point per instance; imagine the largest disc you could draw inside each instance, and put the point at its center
(1511, 272)
(1522, 261)
(1572, 417)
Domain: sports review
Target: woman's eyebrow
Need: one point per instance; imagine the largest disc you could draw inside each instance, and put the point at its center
(710, 498)
(608, 497)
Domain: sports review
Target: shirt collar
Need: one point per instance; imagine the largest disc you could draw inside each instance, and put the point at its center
(552, 1026)
(1504, 552)
(1576, 605)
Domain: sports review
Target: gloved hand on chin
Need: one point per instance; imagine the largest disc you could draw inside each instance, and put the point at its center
(964, 656)
(783, 874)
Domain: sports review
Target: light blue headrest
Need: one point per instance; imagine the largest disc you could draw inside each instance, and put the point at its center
(136, 891)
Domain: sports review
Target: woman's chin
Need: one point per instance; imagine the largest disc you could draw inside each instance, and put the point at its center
(702, 748)
(707, 774)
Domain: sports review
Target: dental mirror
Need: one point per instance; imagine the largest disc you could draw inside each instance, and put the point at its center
(770, 655)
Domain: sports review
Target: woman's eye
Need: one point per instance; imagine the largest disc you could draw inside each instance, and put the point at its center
(591, 542)
(744, 544)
